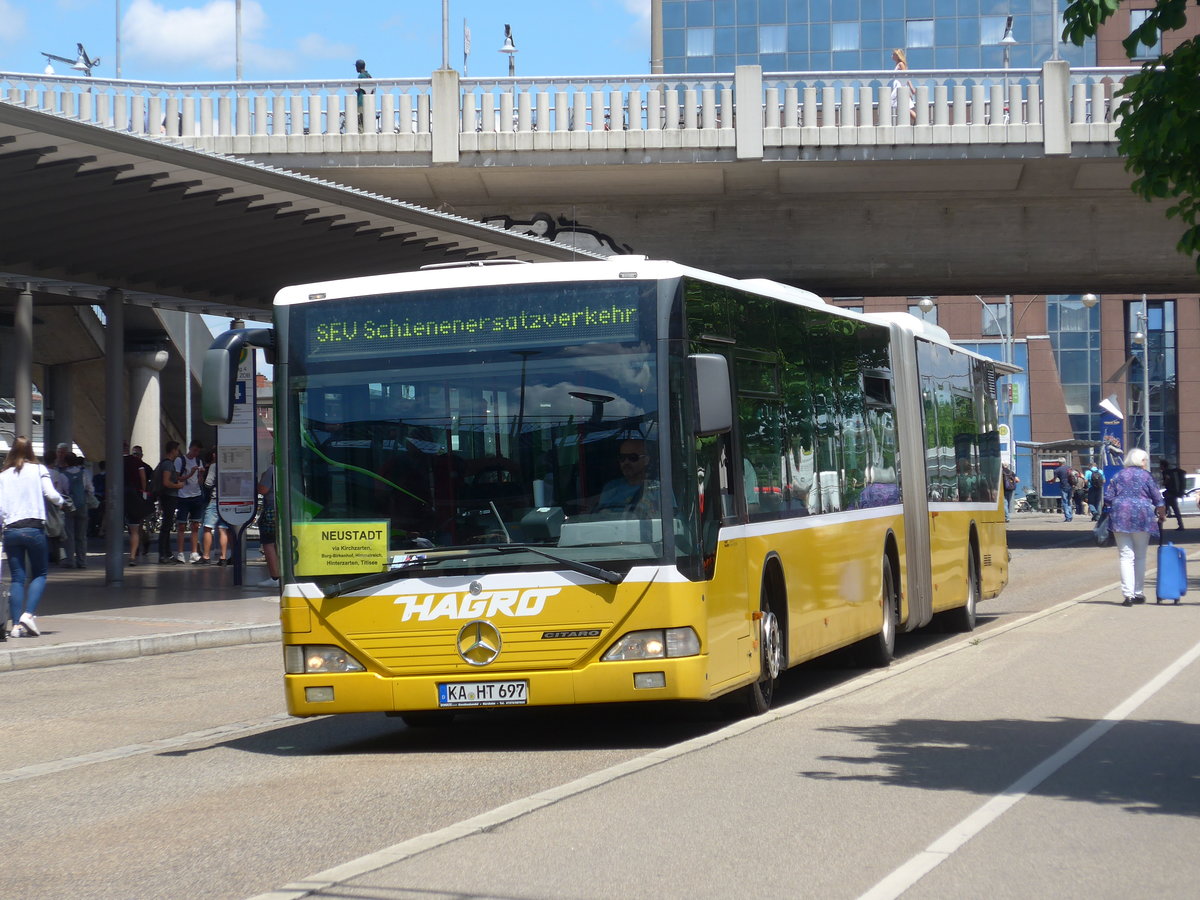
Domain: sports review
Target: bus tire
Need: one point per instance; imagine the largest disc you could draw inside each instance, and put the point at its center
(962, 618)
(878, 650)
(755, 699)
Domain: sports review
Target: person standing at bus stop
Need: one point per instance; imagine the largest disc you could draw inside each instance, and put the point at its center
(167, 483)
(1174, 481)
(25, 489)
(1136, 514)
(1066, 487)
(266, 527)
(1009, 480)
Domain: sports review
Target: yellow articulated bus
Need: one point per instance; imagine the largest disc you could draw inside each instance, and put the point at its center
(608, 481)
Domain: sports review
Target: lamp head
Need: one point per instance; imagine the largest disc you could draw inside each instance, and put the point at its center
(509, 46)
(1138, 337)
(1089, 299)
(925, 304)
(1008, 35)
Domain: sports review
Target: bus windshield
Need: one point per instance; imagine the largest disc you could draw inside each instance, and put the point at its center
(521, 415)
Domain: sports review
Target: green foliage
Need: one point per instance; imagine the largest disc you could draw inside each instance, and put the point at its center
(1083, 17)
(1159, 131)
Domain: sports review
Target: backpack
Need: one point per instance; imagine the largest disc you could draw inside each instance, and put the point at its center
(1010, 482)
(1173, 481)
(1095, 478)
(76, 488)
(1071, 477)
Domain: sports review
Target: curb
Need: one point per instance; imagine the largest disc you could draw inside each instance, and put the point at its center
(129, 648)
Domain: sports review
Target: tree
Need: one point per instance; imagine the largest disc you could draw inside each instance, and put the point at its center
(1159, 131)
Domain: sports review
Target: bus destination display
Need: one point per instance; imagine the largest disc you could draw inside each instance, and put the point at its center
(387, 326)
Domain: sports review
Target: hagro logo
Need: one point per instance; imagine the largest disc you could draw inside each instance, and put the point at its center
(484, 605)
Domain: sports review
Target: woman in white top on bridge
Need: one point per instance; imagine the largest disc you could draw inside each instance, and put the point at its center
(901, 60)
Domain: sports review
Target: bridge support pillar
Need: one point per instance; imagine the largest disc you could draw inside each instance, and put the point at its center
(23, 364)
(445, 125)
(1056, 106)
(58, 413)
(747, 93)
(145, 400)
(114, 426)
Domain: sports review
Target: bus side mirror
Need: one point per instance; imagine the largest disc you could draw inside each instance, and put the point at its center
(713, 400)
(221, 367)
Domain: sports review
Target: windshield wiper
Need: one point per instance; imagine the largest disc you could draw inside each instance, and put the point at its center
(435, 557)
(374, 578)
(581, 567)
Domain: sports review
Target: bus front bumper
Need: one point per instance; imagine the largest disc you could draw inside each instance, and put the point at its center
(683, 678)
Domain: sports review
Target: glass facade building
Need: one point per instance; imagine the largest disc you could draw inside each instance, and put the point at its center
(703, 36)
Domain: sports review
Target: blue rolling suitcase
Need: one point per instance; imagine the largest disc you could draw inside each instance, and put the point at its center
(1172, 571)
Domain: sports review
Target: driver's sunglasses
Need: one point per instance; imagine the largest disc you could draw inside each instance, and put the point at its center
(630, 457)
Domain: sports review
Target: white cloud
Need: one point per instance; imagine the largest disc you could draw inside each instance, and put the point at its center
(203, 37)
(640, 9)
(12, 23)
(194, 35)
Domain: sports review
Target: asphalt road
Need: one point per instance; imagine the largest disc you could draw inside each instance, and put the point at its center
(1037, 757)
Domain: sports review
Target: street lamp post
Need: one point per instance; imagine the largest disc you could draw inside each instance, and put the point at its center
(1142, 336)
(1007, 41)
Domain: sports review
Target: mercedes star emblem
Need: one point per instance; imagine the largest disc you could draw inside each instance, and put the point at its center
(479, 642)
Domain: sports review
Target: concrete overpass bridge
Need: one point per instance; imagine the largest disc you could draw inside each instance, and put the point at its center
(1007, 181)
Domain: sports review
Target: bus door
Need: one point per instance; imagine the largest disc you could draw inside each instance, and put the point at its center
(724, 547)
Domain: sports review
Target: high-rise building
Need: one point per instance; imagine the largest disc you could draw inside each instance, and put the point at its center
(701, 36)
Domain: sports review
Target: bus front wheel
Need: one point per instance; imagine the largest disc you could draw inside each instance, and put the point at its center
(755, 699)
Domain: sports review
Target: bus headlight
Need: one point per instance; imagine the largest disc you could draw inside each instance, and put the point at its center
(318, 659)
(655, 644)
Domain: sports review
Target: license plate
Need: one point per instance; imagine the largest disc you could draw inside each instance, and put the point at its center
(483, 693)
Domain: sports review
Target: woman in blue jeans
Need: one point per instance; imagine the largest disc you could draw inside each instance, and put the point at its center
(25, 486)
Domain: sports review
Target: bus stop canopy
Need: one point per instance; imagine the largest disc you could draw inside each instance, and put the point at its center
(200, 232)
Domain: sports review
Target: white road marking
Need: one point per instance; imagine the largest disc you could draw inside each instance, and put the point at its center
(220, 733)
(916, 868)
(330, 878)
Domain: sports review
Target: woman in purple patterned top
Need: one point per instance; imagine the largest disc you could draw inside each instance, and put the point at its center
(1135, 511)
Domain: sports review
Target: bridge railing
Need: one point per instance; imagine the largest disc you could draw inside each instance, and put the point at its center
(444, 117)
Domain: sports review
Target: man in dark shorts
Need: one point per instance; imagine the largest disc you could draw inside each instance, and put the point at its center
(189, 508)
(167, 485)
(136, 496)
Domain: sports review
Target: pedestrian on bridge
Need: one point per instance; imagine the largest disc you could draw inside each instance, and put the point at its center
(905, 87)
(1137, 512)
(25, 489)
(360, 68)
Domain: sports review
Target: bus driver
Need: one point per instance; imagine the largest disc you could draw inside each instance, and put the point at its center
(633, 494)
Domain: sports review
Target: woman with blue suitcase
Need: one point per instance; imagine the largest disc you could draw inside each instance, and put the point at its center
(1136, 512)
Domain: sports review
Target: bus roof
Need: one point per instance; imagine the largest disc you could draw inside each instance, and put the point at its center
(474, 275)
(507, 272)
(938, 335)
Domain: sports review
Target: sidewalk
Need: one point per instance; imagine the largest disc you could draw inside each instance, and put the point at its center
(165, 609)
(158, 609)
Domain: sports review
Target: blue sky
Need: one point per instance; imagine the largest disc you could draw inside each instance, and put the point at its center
(194, 40)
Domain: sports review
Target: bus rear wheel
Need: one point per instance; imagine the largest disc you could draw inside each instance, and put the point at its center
(962, 618)
(878, 650)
